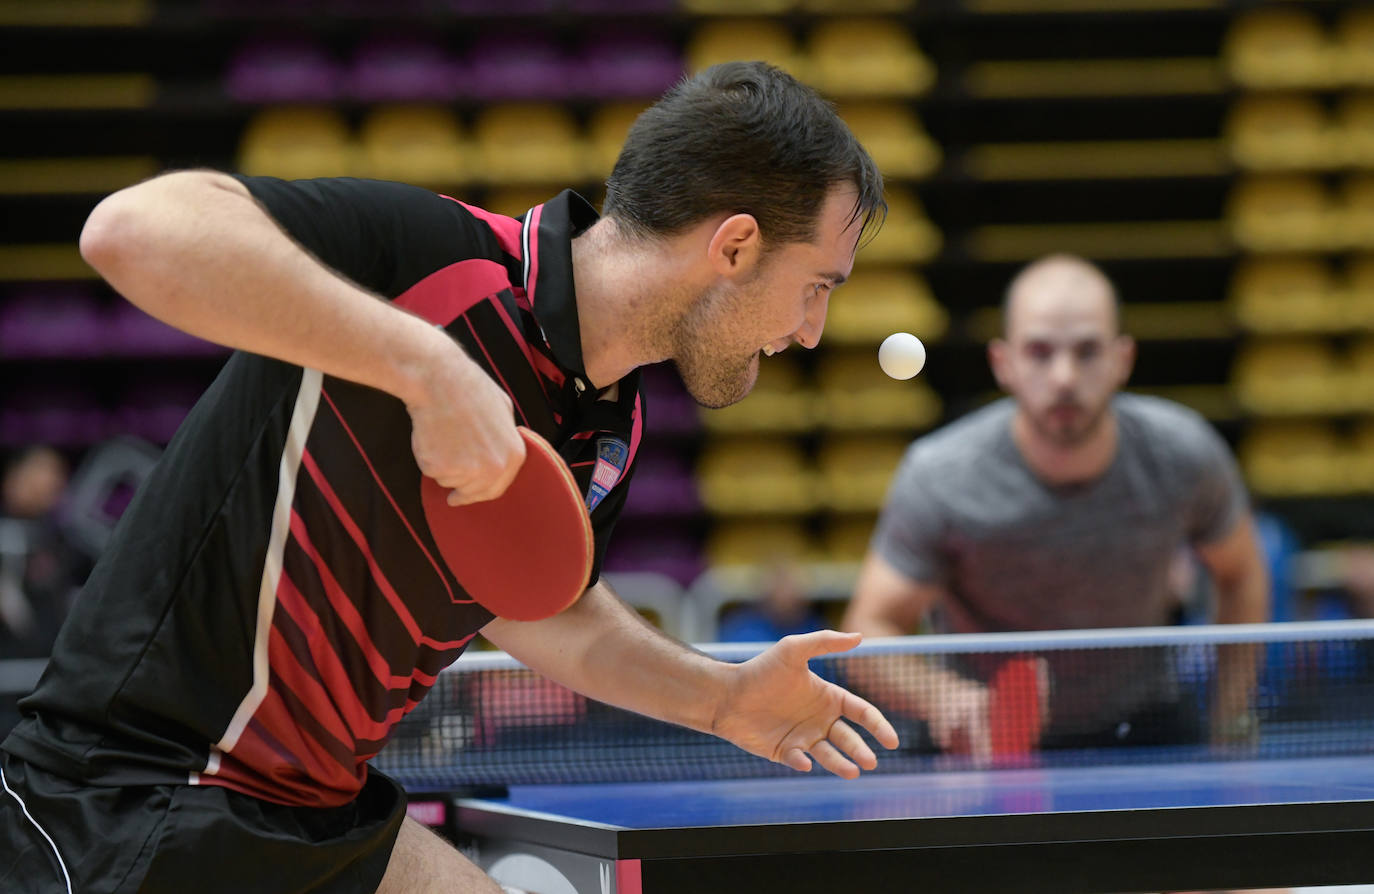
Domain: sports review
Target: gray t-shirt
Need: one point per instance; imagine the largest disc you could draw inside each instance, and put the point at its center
(966, 512)
(1014, 553)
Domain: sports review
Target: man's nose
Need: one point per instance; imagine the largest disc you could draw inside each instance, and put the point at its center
(809, 335)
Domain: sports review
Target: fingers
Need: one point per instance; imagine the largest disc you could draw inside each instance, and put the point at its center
(830, 758)
(844, 738)
(484, 474)
(871, 719)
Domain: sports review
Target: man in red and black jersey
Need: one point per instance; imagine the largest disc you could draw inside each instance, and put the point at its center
(271, 605)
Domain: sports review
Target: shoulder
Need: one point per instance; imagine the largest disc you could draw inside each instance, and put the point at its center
(1176, 432)
(963, 443)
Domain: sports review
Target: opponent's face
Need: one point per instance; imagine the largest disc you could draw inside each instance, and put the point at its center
(780, 299)
(1063, 359)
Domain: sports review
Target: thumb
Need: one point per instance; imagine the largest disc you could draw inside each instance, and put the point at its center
(823, 642)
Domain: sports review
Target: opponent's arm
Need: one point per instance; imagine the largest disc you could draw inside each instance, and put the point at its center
(1241, 578)
(771, 706)
(888, 603)
(195, 250)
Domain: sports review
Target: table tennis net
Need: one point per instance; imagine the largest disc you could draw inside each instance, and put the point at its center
(1068, 698)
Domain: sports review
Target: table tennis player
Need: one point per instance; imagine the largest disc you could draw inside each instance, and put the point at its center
(1062, 507)
(271, 607)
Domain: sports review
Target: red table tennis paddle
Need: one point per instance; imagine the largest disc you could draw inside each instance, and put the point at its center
(1014, 706)
(526, 555)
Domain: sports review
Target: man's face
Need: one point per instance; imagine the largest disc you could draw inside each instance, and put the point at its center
(783, 300)
(1063, 357)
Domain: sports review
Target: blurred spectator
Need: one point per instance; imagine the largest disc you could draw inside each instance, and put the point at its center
(39, 572)
(781, 610)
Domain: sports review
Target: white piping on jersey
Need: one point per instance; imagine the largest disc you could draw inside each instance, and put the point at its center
(302, 418)
(41, 831)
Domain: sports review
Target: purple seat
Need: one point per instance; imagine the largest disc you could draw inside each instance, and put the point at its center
(674, 554)
(129, 332)
(671, 409)
(500, 7)
(402, 69)
(628, 64)
(55, 415)
(619, 7)
(154, 410)
(663, 486)
(51, 322)
(520, 66)
(283, 70)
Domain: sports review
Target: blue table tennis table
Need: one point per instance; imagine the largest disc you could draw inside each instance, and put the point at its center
(1148, 827)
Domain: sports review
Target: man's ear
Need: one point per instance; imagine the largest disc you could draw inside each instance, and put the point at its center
(999, 357)
(1125, 358)
(736, 246)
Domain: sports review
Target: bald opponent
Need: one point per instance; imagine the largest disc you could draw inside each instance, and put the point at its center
(1062, 507)
(266, 614)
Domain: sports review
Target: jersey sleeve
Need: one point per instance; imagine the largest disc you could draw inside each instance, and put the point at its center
(382, 236)
(911, 525)
(1219, 499)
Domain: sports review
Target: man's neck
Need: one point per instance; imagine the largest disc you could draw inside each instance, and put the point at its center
(1059, 465)
(620, 305)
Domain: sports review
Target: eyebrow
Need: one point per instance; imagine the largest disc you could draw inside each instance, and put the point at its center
(836, 278)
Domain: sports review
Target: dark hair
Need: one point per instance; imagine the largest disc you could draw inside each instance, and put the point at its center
(739, 137)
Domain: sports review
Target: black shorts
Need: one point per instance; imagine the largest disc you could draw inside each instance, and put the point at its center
(73, 838)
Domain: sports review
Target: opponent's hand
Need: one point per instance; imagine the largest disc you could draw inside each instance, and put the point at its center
(958, 719)
(776, 708)
(463, 429)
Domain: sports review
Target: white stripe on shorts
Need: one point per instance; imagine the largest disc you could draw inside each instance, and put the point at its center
(41, 831)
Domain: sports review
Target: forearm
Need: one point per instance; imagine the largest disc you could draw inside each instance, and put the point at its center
(1241, 599)
(606, 651)
(196, 251)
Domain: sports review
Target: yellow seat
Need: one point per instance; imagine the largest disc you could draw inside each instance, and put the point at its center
(868, 57)
(1357, 210)
(298, 142)
(527, 143)
(756, 477)
(1279, 47)
(1292, 377)
(1361, 455)
(745, 41)
(855, 7)
(736, 7)
(846, 538)
(780, 402)
(1295, 459)
(855, 395)
(606, 133)
(1355, 45)
(1277, 132)
(514, 201)
(1359, 288)
(1355, 130)
(907, 236)
(734, 543)
(856, 471)
(878, 301)
(417, 144)
(893, 135)
(1288, 294)
(1283, 213)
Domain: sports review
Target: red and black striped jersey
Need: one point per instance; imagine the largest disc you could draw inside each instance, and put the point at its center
(272, 602)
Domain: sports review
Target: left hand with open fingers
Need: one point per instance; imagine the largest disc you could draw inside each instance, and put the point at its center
(775, 707)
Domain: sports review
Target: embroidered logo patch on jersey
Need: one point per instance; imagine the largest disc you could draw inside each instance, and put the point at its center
(611, 456)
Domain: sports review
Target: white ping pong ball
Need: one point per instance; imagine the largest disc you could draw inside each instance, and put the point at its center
(901, 355)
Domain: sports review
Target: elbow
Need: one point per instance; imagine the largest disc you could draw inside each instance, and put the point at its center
(106, 235)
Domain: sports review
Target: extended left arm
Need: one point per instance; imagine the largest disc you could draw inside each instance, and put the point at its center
(1241, 578)
(771, 705)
